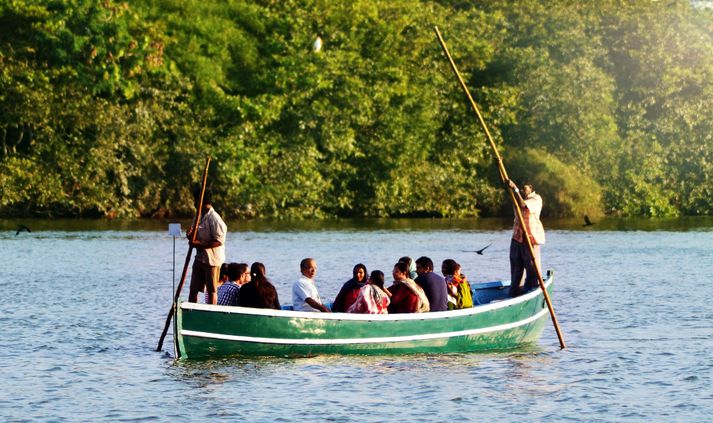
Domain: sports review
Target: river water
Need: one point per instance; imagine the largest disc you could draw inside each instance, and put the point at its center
(85, 303)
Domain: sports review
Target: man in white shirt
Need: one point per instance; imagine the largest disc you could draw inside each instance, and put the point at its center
(530, 204)
(304, 292)
(210, 251)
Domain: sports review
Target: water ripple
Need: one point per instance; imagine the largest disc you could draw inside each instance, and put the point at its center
(84, 349)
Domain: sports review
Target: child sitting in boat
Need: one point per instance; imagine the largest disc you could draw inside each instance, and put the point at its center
(373, 298)
(459, 293)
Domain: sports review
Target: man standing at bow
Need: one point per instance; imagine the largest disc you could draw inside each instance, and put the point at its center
(210, 250)
(530, 204)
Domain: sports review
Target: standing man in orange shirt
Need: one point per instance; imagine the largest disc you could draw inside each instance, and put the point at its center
(530, 204)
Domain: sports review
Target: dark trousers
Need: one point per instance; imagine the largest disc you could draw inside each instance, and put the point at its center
(520, 263)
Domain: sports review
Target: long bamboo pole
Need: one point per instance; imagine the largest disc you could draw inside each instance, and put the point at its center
(197, 219)
(504, 178)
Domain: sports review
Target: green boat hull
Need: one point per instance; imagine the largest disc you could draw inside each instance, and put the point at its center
(204, 331)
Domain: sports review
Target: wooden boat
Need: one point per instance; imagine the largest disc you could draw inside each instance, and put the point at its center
(499, 323)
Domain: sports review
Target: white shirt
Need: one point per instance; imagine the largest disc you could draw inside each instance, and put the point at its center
(211, 228)
(531, 216)
(301, 290)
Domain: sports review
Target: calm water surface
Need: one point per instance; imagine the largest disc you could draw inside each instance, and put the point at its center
(85, 303)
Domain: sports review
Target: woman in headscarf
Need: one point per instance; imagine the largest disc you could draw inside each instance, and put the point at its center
(411, 266)
(406, 295)
(350, 290)
(373, 297)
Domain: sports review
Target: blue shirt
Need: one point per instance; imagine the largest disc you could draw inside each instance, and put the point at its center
(436, 290)
(229, 294)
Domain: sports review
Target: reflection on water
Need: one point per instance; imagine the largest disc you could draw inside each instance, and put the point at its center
(86, 301)
(375, 224)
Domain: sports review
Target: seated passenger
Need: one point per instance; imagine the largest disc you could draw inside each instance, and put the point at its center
(459, 293)
(259, 292)
(433, 285)
(350, 290)
(373, 297)
(304, 292)
(406, 295)
(411, 266)
(229, 291)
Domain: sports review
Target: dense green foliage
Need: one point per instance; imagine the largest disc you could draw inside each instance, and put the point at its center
(109, 108)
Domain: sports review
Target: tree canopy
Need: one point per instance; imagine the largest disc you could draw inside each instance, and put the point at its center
(110, 108)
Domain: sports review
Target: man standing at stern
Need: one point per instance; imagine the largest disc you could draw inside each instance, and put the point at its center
(530, 204)
(210, 250)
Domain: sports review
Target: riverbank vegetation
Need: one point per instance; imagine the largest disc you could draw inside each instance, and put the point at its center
(110, 108)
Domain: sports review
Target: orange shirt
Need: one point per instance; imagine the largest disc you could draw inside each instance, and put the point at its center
(531, 216)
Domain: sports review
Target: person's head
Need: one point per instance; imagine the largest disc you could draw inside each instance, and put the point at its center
(238, 272)
(377, 278)
(257, 272)
(359, 273)
(308, 267)
(400, 271)
(223, 273)
(266, 292)
(233, 272)
(527, 188)
(207, 197)
(448, 267)
(244, 272)
(411, 264)
(424, 265)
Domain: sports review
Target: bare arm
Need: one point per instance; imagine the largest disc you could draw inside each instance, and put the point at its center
(516, 192)
(315, 304)
(207, 244)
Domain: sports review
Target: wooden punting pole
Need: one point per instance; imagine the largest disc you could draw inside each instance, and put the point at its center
(197, 220)
(504, 178)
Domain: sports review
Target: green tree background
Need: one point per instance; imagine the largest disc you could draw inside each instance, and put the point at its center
(110, 108)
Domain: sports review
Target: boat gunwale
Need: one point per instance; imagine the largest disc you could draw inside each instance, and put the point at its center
(370, 340)
(359, 317)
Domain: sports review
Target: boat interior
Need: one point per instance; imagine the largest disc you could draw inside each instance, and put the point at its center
(483, 293)
(488, 292)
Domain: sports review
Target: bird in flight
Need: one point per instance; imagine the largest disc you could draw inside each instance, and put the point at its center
(22, 228)
(587, 222)
(478, 251)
